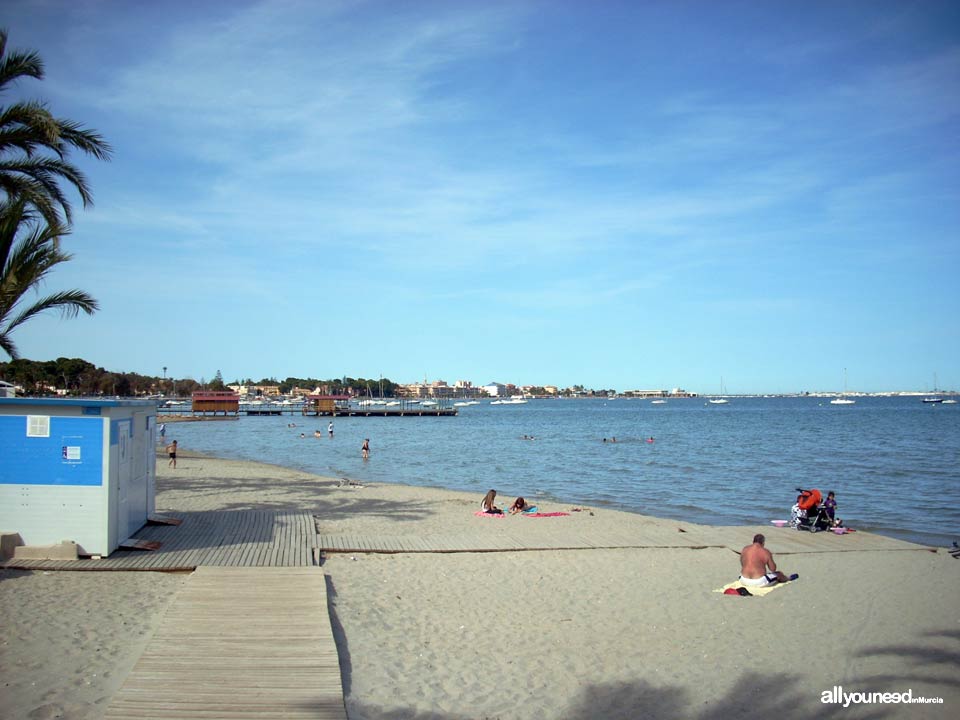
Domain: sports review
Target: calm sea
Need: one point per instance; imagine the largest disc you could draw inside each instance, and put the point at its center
(893, 462)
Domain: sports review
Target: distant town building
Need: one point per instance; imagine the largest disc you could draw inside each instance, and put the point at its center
(7, 389)
(495, 389)
(249, 391)
(436, 389)
(674, 393)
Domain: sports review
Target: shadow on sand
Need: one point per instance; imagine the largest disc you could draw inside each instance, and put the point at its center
(756, 696)
(323, 498)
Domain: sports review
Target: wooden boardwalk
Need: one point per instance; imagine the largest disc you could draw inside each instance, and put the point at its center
(251, 538)
(269, 538)
(239, 642)
(570, 536)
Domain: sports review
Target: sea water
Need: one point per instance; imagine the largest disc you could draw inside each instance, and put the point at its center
(892, 461)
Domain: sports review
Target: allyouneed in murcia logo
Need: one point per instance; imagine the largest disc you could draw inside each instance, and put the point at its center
(837, 696)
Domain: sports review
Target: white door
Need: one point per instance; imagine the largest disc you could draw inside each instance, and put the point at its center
(123, 479)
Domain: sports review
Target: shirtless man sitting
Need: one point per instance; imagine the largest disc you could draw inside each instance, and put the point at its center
(757, 568)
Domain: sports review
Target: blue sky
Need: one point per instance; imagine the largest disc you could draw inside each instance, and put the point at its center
(613, 194)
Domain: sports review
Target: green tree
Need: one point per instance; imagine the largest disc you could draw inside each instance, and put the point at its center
(35, 145)
(217, 382)
(75, 373)
(29, 251)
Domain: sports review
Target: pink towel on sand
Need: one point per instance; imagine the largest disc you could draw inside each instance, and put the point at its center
(553, 514)
(481, 513)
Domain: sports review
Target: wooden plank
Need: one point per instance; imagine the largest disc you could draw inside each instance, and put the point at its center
(261, 554)
(239, 642)
(176, 544)
(180, 548)
(734, 538)
(309, 531)
(276, 557)
(280, 543)
(250, 539)
(310, 537)
(296, 532)
(219, 553)
(275, 538)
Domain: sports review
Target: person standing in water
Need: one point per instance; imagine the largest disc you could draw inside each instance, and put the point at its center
(365, 449)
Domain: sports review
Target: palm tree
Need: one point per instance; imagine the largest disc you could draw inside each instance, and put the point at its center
(29, 250)
(34, 145)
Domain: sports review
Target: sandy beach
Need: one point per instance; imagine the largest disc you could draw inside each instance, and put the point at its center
(621, 633)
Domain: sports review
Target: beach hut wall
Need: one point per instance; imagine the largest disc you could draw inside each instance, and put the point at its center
(77, 470)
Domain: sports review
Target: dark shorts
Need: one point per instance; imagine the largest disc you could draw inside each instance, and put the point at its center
(173, 456)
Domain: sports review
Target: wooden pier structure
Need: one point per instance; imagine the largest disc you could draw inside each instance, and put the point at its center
(314, 406)
(339, 405)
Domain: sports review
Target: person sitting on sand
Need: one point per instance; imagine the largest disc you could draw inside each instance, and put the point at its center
(487, 505)
(520, 505)
(757, 568)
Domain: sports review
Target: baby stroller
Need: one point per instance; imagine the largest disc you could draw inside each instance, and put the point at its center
(816, 517)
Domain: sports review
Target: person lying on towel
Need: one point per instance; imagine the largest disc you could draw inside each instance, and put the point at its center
(521, 505)
(757, 568)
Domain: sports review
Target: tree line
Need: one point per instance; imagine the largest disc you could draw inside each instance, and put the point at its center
(77, 377)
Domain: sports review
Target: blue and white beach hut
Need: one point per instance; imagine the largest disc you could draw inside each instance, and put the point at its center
(80, 470)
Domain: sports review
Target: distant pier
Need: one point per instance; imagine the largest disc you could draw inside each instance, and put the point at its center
(404, 408)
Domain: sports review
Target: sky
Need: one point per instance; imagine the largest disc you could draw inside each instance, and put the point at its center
(626, 195)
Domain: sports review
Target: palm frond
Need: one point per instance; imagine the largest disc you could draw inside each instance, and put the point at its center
(27, 126)
(68, 302)
(84, 139)
(36, 180)
(18, 64)
(48, 171)
(29, 249)
(35, 146)
(8, 346)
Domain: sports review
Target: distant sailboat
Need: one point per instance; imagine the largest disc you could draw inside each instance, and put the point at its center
(935, 398)
(843, 399)
(723, 391)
